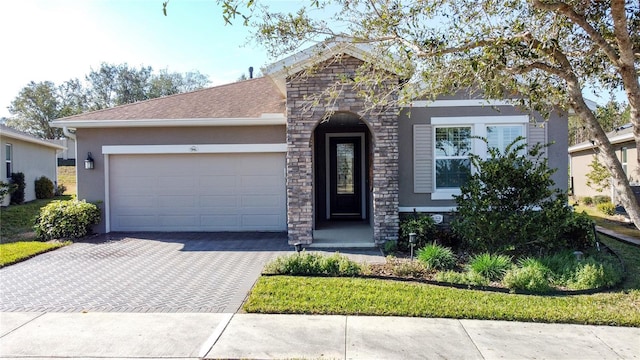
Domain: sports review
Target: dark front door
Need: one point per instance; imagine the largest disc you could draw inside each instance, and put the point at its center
(345, 178)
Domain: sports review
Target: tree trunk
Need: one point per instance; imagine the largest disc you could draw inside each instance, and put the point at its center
(608, 156)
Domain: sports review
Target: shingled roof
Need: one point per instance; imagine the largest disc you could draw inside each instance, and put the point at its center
(243, 99)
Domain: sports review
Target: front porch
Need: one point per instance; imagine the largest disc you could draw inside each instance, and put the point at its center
(343, 234)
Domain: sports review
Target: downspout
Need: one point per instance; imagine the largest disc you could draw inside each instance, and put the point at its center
(68, 133)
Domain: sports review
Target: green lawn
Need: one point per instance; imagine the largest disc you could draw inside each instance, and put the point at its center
(67, 177)
(16, 221)
(608, 222)
(11, 253)
(308, 295)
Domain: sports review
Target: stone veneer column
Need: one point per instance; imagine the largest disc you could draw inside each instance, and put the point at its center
(383, 124)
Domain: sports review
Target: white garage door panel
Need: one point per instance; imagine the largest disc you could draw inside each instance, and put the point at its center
(197, 192)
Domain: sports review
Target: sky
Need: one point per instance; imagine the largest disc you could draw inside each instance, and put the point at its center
(57, 40)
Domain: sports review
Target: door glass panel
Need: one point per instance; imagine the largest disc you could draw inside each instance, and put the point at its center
(345, 161)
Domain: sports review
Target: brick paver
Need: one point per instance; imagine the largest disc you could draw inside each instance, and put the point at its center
(142, 272)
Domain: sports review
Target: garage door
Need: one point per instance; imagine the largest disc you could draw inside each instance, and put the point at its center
(197, 192)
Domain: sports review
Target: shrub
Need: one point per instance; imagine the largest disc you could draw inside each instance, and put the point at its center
(529, 278)
(587, 200)
(390, 247)
(421, 224)
(466, 278)
(313, 264)
(600, 199)
(44, 188)
(436, 257)
(591, 274)
(407, 267)
(509, 204)
(6, 189)
(69, 219)
(606, 208)
(17, 197)
(577, 232)
(60, 190)
(492, 267)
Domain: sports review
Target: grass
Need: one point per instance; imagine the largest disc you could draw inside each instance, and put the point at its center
(16, 221)
(14, 252)
(357, 296)
(608, 222)
(67, 177)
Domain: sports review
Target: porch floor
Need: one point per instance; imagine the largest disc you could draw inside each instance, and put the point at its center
(343, 234)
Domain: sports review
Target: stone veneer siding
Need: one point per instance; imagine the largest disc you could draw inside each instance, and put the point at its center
(301, 123)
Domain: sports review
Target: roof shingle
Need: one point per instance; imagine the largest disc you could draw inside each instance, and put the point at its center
(243, 99)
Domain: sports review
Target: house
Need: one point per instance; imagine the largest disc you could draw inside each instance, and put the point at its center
(582, 155)
(67, 156)
(24, 153)
(257, 155)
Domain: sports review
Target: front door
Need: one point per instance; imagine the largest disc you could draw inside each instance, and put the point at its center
(345, 178)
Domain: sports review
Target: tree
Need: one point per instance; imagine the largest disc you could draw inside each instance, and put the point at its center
(611, 116)
(543, 54)
(111, 85)
(35, 106)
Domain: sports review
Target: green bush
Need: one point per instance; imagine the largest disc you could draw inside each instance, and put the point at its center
(606, 208)
(6, 189)
(592, 274)
(436, 257)
(313, 264)
(44, 188)
(492, 267)
(420, 224)
(69, 219)
(600, 199)
(390, 247)
(402, 267)
(576, 232)
(60, 190)
(530, 277)
(510, 204)
(465, 278)
(17, 197)
(587, 200)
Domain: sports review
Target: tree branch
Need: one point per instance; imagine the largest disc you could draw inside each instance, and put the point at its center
(566, 10)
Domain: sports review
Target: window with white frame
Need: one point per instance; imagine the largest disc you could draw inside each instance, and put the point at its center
(623, 159)
(452, 150)
(8, 157)
(455, 140)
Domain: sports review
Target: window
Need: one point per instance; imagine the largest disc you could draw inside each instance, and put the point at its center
(452, 150)
(623, 159)
(500, 136)
(451, 142)
(8, 156)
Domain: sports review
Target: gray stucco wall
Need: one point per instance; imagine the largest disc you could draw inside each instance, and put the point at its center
(557, 153)
(32, 160)
(91, 182)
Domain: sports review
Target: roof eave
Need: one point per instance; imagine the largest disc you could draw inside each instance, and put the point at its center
(588, 145)
(264, 120)
(32, 140)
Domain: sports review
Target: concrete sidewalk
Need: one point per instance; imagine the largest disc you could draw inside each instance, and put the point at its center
(251, 336)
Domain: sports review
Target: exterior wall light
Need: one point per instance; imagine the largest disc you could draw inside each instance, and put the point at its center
(89, 164)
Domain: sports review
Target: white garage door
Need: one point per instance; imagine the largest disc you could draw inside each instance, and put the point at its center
(197, 192)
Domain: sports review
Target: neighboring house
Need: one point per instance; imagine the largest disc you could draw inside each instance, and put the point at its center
(67, 156)
(34, 157)
(250, 156)
(581, 156)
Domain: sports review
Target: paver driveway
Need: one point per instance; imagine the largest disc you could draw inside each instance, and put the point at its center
(142, 272)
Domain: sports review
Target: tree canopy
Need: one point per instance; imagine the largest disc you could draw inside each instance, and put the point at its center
(545, 55)
(110, 85)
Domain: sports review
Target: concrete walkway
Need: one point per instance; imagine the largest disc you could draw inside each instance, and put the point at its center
(252, 336)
